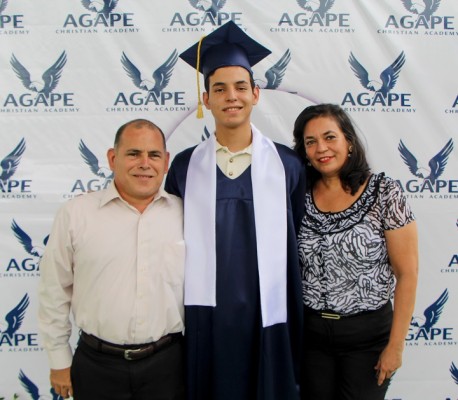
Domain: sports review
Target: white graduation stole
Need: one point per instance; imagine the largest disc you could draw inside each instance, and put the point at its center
(269, 199)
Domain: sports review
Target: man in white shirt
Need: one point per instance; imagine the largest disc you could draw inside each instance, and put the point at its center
(116, 259)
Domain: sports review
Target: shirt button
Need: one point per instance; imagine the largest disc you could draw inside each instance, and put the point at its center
(231, 173)
(231, 160)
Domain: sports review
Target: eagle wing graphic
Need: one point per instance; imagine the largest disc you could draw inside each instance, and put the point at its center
(433, 312)
(3, 4)
(23, 238)
(15, 317)
(29, 386)
(390, 75)
(454, 372)
(10, 163)
(52, 75)
(409, 159)
(22, 73)
(89, 158)
(274, 75)
(359, 71)
(163, 73)
(438, 162)
(132, 71)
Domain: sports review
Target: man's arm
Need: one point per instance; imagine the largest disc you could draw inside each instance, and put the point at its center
(55, 294)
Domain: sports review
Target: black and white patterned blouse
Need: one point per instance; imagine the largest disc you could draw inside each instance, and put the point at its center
(345, 266)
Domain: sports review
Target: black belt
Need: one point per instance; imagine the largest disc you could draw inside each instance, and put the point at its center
(329, 314)
(130, 352)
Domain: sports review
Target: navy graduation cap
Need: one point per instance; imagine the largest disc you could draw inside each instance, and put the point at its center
(224, 47)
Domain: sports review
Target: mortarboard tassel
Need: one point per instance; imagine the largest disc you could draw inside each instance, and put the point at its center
(200, 112)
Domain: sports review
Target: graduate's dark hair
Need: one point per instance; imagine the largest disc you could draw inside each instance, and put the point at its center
(138, 123)
(356, 170)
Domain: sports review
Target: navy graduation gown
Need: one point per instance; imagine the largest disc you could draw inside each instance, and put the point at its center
(230, 356)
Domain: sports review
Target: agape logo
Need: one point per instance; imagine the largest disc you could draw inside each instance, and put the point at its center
(208, 14)
(427, 178)
(28, 266)
(43, 95)
(103, 174)
(423, 328)
(10, 337)
(316, 15)
(102, 16)
(12, 188)
(381, 88)
(422, 18)
(152, 90)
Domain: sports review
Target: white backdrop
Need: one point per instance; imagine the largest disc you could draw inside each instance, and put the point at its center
(65, 89)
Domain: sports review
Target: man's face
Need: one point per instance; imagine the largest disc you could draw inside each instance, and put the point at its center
(230, 97)
(139, 163)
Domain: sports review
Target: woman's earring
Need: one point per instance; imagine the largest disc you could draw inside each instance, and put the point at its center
(350, 149)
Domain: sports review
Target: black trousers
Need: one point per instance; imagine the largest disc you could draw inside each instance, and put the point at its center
(99, 376)
(340, 356)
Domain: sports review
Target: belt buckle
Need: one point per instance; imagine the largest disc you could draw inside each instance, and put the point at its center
(129, 354)
(330, 316)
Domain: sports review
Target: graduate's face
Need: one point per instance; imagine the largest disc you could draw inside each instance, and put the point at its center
(139, 163)
(230, 97)
(326, 146)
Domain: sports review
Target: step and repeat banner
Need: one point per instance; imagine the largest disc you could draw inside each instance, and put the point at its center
(73, 71)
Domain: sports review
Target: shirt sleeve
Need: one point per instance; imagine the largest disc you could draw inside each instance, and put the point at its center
(396, 211)
(55, 293)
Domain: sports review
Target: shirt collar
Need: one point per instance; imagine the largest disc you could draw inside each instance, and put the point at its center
(246, 150)
(111, 193)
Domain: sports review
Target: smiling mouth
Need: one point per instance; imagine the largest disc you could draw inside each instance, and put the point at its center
(232, 109)
(324, 159)
(142, 176)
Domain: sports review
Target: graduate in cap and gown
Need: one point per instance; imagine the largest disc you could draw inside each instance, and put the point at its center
(243, 203)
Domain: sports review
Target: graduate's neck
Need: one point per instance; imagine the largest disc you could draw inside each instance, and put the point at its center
(234, 139)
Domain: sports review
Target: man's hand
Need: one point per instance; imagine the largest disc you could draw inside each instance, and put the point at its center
(61, 382)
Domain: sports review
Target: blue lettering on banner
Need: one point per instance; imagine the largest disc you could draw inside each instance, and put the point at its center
(89, 21)
(11, 21)
(197, 19)
(303, 19)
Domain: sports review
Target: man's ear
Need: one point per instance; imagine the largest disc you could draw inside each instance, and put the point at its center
(205, 100)
(111, 157)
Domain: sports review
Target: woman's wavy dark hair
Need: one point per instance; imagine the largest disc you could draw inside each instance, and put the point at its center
(356, 170)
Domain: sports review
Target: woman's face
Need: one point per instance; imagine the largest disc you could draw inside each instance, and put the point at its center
(325, 144)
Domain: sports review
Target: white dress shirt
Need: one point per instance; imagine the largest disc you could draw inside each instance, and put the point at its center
(233, 164)
(119, 271)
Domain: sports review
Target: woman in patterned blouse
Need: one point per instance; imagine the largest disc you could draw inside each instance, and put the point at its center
(358, 250)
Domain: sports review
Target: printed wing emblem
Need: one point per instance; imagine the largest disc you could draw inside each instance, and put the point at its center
(104, 7)
(388, 77)
(50, 78)
(33, 390)
(10, 163)
(161, 76)
(320, 7)
(436, 164)
(275, 74)
(454, 372)
(422, 7)
(15, 317)
(210, 6)
(3, 4)
(432, 313)
(91, 160)
(26, 241)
